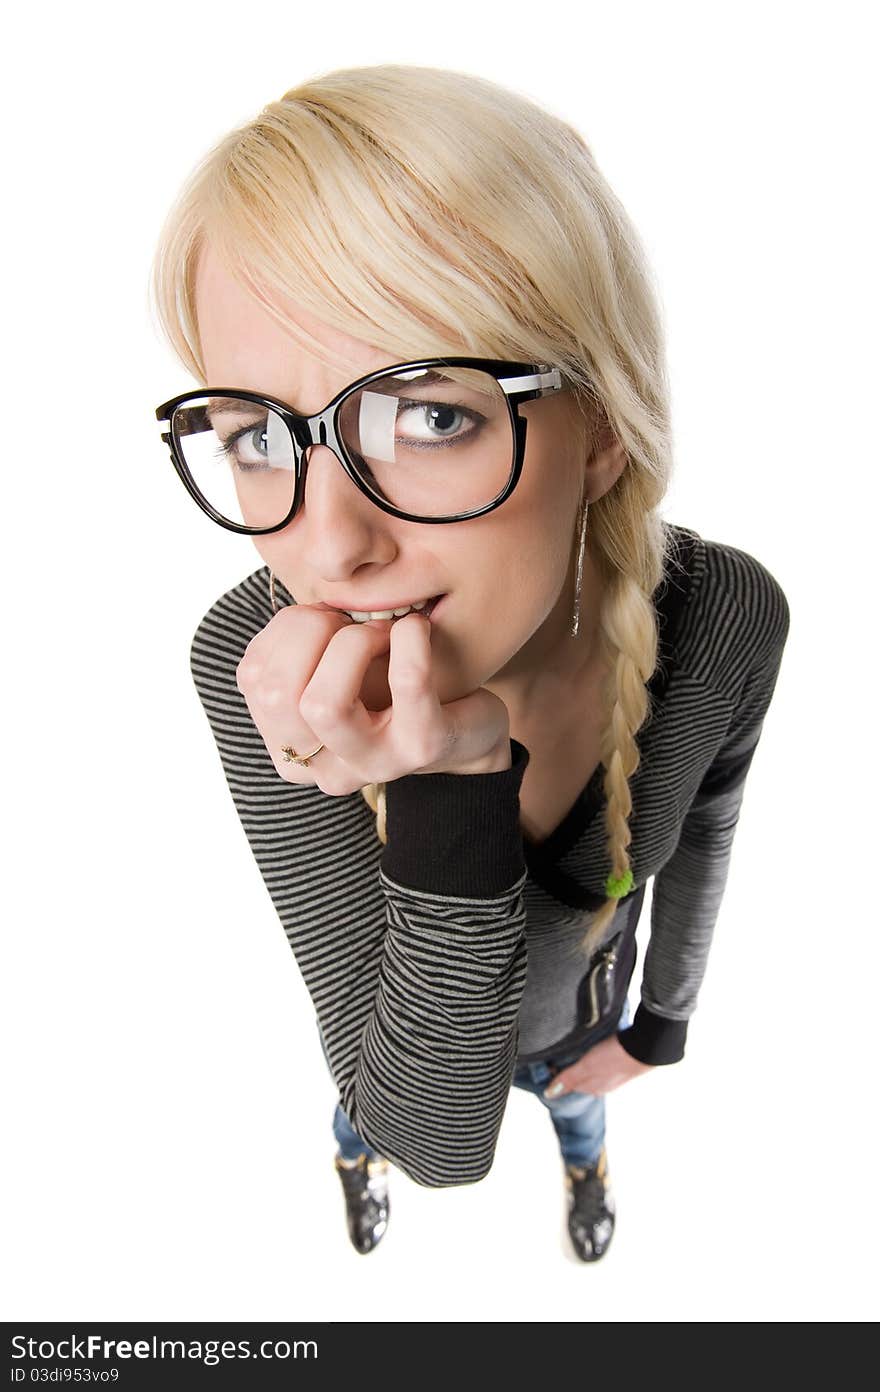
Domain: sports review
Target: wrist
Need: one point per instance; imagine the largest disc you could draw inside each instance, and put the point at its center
(496, 761)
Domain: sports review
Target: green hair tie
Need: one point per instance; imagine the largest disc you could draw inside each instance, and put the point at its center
(617, 888)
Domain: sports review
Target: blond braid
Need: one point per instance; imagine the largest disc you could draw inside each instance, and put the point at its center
(628, 641)
(374, 796)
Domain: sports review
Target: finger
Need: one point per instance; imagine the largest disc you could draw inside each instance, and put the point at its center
(275, 669)
(571, 1079)
(558, 1088)
(331, 701)
(418, 730)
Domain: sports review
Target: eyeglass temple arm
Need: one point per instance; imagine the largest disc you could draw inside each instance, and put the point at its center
(532, 385)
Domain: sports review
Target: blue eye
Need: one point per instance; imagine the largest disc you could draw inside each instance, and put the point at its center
(441, 422)
(248, 435)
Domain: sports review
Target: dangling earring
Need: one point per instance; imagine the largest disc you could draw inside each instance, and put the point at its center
(576, 618)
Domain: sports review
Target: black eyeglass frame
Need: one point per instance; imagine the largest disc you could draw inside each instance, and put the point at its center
(519, 382)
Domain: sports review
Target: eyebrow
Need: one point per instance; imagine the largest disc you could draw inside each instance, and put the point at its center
(228, 405)
(225, 405)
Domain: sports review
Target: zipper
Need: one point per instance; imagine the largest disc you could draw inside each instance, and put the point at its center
(606, 963)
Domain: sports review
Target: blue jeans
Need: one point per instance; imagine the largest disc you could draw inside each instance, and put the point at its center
(578, 1117)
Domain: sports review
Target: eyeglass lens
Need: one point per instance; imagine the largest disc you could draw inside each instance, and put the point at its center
(433, 442)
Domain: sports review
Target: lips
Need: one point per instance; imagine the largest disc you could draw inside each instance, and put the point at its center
(361, 608)
(432, 605)
(427, 611)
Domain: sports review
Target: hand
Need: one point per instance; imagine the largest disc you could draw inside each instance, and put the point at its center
(302, 678)
(601, 1069)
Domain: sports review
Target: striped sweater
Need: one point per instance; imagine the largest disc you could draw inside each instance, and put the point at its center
(439, 961)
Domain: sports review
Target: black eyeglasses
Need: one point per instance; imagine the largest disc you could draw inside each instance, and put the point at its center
(438, 440)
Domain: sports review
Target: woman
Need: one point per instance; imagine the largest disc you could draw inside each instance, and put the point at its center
(430, 364)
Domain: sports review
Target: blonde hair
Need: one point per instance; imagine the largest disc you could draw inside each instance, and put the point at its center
(434, 213)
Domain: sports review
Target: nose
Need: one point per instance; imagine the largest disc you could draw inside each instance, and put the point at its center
(339, 528)
(325, 483)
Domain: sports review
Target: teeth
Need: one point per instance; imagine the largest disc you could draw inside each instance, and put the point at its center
(362, 615)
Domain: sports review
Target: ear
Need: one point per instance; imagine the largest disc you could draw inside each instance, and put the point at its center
(606, 463)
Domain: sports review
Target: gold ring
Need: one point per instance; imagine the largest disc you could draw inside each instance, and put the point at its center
(291, 756)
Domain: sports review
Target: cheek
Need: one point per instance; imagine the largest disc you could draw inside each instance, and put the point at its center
(529, 574)
(276, 555)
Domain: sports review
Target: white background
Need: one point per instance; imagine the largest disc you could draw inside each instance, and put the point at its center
(168, 1154)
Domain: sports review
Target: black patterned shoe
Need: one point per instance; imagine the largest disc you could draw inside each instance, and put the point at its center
(590, 1208)
(365, 1186)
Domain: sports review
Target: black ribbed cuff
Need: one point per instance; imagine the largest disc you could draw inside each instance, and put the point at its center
(456, 833)
(653, 1039)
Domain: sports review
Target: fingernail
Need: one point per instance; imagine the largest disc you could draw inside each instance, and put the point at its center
(553, 1090)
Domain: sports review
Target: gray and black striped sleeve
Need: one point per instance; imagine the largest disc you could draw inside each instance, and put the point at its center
(689, 887)
(437, 1056)
(414, 955)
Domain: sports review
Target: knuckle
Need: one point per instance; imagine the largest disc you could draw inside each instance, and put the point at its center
(316, 709)
(274, 696)
(247, 672)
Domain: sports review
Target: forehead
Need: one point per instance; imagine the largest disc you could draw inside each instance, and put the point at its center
(243, 345)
